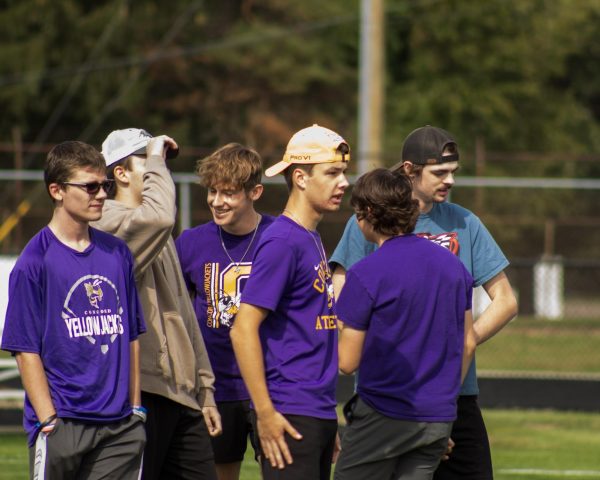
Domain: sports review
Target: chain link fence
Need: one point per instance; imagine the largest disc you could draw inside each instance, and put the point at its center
(552, 241)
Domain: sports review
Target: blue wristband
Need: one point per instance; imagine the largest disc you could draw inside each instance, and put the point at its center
(140, 411)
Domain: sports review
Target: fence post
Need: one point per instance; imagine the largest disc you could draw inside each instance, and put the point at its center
(548, 288)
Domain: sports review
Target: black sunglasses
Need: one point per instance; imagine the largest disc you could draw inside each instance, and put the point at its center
(92, 188)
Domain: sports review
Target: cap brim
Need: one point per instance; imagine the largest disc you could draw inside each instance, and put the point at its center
(126, 151)
(277, 168)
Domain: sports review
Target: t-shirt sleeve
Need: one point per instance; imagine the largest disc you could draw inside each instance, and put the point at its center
(180, 246)
(23, 327)
(354, 305)
(352, 247)
(488, 259)
(272, 271)
(137, 324)
(468, 279)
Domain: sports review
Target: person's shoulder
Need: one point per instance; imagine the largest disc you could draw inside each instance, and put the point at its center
(266, 220)
(33, 258)
(113, 215)
(199, 231)
(280, 236)
(454, 208)
(35, 249)
(435, 253)
(108, 241)
(113, 206)
(280, 228)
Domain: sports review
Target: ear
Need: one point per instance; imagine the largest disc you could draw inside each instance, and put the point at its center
(299, 178)
(408, 168)
(121, 174)
(56, 191)
(256, 192)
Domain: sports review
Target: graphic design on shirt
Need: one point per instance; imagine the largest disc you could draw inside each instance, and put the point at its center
(447, 240)
(223, 290)
(323, 284)
(93, 312)
(326, 322)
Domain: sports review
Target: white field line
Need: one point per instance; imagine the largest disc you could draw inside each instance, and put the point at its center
(538, 472)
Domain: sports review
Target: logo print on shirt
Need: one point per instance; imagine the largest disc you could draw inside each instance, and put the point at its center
(223, 291)
(228, 306)
(94, 292)
(100, 324)
(447, 240)
(323, 282)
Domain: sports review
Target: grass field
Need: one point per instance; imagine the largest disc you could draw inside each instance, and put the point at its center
(541, 345)
(526, 445)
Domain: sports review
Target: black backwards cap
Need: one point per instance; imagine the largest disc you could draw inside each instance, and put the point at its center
(425, 146)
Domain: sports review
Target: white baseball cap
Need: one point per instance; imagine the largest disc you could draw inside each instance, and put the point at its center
(122, 143)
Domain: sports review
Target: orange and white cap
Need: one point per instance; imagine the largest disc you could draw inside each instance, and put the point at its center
(311, 145)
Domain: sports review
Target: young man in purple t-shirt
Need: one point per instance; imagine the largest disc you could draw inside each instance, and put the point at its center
(216, 259)
(72, 323)
(405, 323)
(285, 334)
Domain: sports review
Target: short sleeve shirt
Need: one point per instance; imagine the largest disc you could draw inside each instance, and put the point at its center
(452, 227)
(78, 311)
(299, 335)
(216, 279)
(410, 298)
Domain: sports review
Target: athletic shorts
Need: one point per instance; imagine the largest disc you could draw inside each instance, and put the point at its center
(312, 455)
(75, 449)
(236, 419)
(471, 458)
(178, 445)
(375, 446)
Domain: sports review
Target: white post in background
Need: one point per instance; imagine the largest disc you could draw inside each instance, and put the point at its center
(548, 288)
(6, 265)
(371, 86)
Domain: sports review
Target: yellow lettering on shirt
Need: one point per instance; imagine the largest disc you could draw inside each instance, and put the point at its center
(326, 322)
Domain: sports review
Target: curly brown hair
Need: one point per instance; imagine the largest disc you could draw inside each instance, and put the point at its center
(384, 199)
(233, 164)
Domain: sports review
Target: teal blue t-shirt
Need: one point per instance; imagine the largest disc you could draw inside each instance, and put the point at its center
(452, 227)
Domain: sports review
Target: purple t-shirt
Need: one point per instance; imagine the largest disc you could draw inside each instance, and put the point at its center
(299, 335)
(216, 285)
(79, 311)
(410, 296)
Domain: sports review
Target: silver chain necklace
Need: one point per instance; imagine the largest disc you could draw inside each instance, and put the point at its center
(237, 264)
(320, 247)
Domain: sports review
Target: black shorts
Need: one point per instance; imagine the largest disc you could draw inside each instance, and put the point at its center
(178, 443)
(471, 458)
(312, 455)
(236, 420)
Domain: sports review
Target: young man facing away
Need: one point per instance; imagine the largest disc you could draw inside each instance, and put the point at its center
(405, 322)
(430, 158)
(176, 377)
(216, 259)
(72, 322)
(285, 334)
